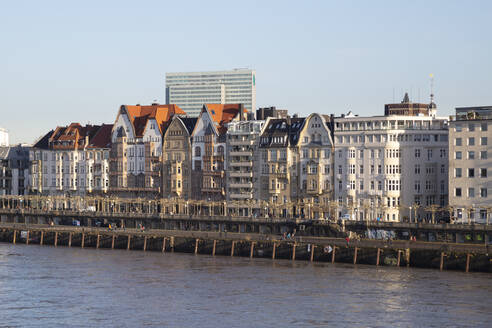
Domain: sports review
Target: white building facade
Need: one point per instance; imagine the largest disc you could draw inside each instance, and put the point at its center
(391, 168)
(470, 173)
(4, 137)
(242, 154)
(191, 90)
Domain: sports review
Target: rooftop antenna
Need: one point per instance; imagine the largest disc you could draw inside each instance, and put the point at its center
(431, 76)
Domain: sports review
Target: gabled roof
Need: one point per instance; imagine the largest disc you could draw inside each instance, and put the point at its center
(278, 129)
(42, 142)
(222, 114)
(189, 123)
(139, 115)
(102, 137)
(76, 136)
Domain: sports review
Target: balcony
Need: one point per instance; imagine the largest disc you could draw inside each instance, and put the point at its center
(241, 142)
(241, 196)
(241, 174)
(241, 153)
(241, 164)
(212, 189)
(240, 185)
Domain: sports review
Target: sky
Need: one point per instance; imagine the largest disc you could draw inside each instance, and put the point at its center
(68, 61)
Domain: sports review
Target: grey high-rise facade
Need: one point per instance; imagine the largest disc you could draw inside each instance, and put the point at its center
(191, 90)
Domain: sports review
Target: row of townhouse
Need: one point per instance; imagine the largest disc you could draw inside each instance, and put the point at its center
(390, 167)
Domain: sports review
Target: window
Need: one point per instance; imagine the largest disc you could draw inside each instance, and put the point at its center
(372, 185)
(327, 153)
(417, 187)
(429, 154)
(483, 141)
(483, 155)
(483, 172)
(379, 169)
(380, 185)
(457, 142)
(457, 192)
(361, 169)
(339, 169)
(457, 172)
(361, 185)
(484, 126)
(471, 155)
(417, 153)
(457, 127)
(471, 127)
(457, 155)
(372, 169)
(483, 192)
(471, 173)
(471, 192)
(471, 141)
(361, 152)
(417, 169)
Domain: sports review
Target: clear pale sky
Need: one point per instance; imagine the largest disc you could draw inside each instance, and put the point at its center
(63, 62)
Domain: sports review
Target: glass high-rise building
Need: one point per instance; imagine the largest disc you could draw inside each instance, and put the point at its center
(190, 90)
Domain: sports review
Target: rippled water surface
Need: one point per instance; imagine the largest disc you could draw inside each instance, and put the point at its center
(56, 287)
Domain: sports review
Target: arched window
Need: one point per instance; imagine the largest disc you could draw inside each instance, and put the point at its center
(220, 150)
(198, 151)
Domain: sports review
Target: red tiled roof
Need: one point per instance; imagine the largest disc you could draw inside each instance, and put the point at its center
(102, 138)
(139, 115)
(224, 113)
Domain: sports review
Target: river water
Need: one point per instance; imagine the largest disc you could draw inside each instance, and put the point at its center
(44, 286)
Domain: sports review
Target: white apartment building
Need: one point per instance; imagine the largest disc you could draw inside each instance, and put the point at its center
(71, 161)
(191, 90)
(470, 175)
(392, 167)
(4, 137)
(242, 141)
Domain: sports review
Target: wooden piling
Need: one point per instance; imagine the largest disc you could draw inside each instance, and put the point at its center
(377, 258)
(97, 241)
(145, 244)
(172, 244)
(407, 256)
(468, 262)
(333, 254)
(312, 253)
(27, 238)
(128, 242)
(355, 255)
(112, 241)
(398, 260)
(42, 237)
(70, 239)
(294, 252)
(441, 264)
(15, 235)
(213, 247)
(196, 246)
(83, 240)
(274, 250)
(251, 249)
(163, 245)
(56, 238)
(232, 248)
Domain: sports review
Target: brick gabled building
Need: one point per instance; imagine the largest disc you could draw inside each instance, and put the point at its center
(209, 149)
(137, 149)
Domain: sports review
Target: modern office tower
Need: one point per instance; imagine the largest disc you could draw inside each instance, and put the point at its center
(72, 161)
(191, 90)
(470, 154)
(14, 170)
(392, 167)
(243, 164)
(4, 137)
(137, 148)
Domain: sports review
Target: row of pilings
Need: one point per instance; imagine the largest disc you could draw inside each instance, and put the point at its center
(335, 252)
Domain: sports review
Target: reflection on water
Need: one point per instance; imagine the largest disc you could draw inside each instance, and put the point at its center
(48, 286)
